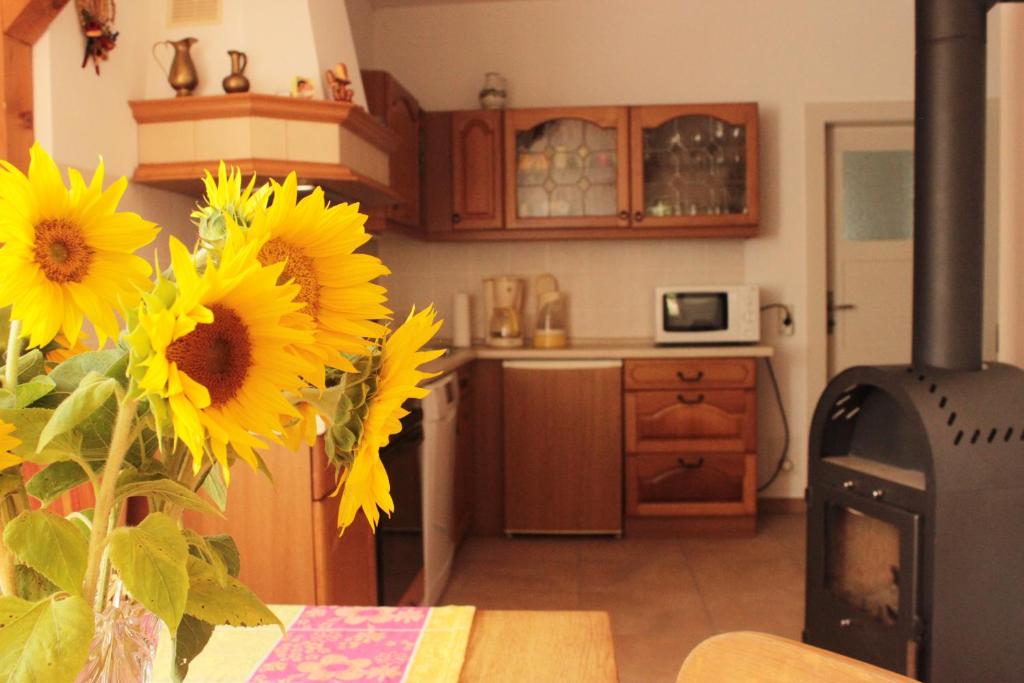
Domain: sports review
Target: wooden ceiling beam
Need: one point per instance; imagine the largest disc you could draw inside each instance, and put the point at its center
(27, 20)
(23, 22)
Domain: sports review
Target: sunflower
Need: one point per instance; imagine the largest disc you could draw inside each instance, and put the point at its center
(365, 484)
(210, 354)
(67, 253)
(60, 349)
(316, 244)
(7, 444)
(225, 198)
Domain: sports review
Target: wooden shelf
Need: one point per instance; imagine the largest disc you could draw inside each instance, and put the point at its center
(335, 145)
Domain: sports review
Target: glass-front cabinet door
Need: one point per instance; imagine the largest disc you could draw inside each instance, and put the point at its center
(567, 167)
(694, 166)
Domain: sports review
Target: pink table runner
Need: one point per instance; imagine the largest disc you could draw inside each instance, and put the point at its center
(355, 644)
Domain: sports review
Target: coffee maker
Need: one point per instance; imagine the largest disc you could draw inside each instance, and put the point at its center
(503, 304)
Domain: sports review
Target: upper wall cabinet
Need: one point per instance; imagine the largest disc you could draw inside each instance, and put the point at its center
(591, 172)
(477, 194)
(567, 167)
(400, 112)
(694, 166)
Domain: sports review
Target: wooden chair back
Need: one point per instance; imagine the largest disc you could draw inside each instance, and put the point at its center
(748, 657)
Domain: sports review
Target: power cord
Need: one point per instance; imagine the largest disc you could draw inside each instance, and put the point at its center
(784, 456)
(788, 320)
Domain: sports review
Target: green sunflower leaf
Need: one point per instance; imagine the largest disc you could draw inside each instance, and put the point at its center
(216, 488)
(189, 640)
(232, 604)
(30, 364)
(168, 491)
(28, 393)
(151, 561)
(56, 479)
(51, 545)
(69, 374)
(28, 425)
(31, 584)
(225, 546)
(44, 641)
(91, 394)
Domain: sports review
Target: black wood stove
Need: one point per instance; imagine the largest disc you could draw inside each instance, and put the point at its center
(915, 529)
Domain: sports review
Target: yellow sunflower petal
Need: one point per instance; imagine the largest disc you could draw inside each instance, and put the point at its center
(8, 443)
(365, 485)
(58, 248)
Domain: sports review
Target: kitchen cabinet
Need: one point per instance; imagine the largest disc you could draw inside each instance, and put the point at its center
(694, 166)
(567, 167)
(691, 442)
(287, 533)
(592, 172)
(390, 102)
(563, 446)
(476, 168)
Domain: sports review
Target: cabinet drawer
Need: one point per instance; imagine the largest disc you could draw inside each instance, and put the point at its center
(722, 420)
(673, 484)
(691, 373)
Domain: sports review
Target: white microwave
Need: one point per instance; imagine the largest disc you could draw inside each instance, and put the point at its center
(707, 315)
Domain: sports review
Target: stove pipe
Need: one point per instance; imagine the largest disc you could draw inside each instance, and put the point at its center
(949, 183)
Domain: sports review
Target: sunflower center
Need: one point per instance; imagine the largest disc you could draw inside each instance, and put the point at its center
(298, 267)
(61, 251)
(217, 355)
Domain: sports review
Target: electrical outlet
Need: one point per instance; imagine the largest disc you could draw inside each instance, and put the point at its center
(786, 326)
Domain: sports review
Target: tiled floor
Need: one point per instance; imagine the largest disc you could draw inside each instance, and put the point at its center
(664, 596)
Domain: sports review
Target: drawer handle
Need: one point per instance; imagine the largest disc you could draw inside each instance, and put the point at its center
(696, 378)
(691, 466)
(690, 401)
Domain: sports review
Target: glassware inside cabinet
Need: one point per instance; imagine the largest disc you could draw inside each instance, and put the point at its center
(566, 167)
(695, 165)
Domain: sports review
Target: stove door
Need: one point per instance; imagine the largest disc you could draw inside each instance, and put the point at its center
(863, 573)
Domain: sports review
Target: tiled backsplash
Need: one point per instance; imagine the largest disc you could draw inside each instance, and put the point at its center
(609, 283)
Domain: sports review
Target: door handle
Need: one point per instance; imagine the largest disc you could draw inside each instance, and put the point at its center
(842, 307)
(691, 466)
(831, 307)
(690, 401)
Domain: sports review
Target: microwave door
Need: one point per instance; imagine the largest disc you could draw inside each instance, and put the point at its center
(696, 312)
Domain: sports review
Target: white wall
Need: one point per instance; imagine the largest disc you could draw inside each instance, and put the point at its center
(281, 41)
(79, 116)
(781, 54)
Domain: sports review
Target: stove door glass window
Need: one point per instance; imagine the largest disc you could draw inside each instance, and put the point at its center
(862, 564)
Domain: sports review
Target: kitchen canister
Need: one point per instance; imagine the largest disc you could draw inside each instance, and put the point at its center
(462, 336)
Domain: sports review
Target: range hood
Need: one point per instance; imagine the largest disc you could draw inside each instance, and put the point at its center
(335, 145)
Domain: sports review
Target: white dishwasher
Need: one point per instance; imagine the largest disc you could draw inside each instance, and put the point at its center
(440, 409)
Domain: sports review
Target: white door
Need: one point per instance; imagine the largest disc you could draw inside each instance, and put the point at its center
(870, 268)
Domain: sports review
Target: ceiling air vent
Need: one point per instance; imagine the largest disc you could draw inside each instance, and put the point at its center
(192, 12)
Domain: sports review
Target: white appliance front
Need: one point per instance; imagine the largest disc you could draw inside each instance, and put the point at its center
(440, 410)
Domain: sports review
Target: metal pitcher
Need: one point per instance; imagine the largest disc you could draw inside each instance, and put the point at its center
(182, 73)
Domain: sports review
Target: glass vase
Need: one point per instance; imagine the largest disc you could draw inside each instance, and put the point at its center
(125, 642)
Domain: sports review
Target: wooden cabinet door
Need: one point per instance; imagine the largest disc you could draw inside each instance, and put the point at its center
(388, 100)
(563, 447)
(716, 420)
(695, 166)
(477, 193)
(567, 167)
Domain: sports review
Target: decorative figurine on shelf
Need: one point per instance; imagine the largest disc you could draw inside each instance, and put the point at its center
(182, 73)
(96, 18)
(494, 92)
(303, 87)
(338, 82)
(236, 80)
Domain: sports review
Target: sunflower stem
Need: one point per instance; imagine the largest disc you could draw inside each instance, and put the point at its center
(101, 524)
(13, 356)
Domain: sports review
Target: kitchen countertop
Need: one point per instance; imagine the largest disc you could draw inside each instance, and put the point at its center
(590, 349)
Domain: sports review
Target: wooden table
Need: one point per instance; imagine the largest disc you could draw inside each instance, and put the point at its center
(568, 647)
